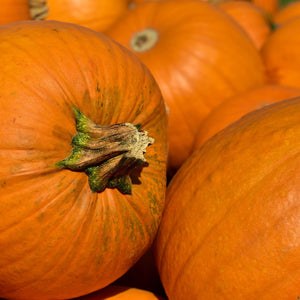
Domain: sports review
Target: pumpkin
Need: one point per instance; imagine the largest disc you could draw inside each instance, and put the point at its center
(281, 54)
(252, 18)
(14, 10)
(83, 147)
(115, 292)
(139, 1)
(270, 6)
(234, 108)
(198, 55)
(286, 13)
(231, 224)
(95, 14)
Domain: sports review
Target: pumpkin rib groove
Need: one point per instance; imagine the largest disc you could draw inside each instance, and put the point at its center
(24, 218)
(83, 228)
(33, 91)
(61, 256)
(222, 218)
(285, 276)
(38, 48)
(152, 118)
(131, 114)
(57, 78)
(28, 174)
(138, 216)
(242, 253)
(64, 130)
(30, 188)
(225, 217)
(79, 68)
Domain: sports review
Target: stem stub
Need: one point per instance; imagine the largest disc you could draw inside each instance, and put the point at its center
(107, 154)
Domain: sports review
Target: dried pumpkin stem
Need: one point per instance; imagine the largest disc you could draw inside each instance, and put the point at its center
(108, 154)
(38, 9)
(144, 40)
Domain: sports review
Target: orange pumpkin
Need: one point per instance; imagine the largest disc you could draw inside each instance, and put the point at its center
(252, 18)
(14, 10)
(231, 225)
(234, 108)
(115, 292)
(199, 57)
(281, 54)
(139, 1)
(286, 13)
(94, 14)
(270, 6)
(83, 151)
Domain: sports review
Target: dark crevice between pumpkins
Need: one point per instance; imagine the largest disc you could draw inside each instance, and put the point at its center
(112, 156)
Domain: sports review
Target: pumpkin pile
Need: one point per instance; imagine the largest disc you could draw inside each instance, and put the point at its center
(150, 149)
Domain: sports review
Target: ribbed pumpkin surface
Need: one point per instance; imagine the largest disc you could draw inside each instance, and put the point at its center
(95, 14)
(14, 10)
(231, 226)
(281, 54)
(199, 57)
(58, 239)
(236, 107)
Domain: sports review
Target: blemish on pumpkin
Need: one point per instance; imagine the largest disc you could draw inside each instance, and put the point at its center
(41, 216)
(98, 88)
(3, 184)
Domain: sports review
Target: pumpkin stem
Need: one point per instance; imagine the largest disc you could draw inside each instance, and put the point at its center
(38, 9)
(144, 40)
(107, 154)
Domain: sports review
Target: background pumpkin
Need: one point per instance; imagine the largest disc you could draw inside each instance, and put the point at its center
(94, 14)
(251, 17)
(234, 108)
(14, 10)
(281, 54)
(231, 225)
(286, 13)
(121, 293)
(270, 6)
(58, 239)
(199, 57)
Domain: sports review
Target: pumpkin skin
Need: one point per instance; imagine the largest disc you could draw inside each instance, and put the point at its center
(252, 18)
(286, 13)
(270, 6)
(115, 292)
(14, 10)
(230, 228)
(68, 241)
(189, 63)
(281, 54)
(234, 108)
(95, 14)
